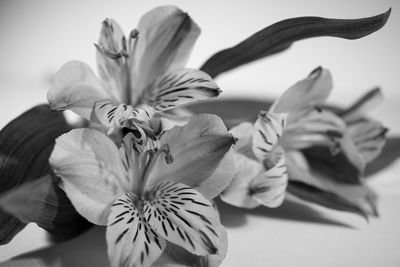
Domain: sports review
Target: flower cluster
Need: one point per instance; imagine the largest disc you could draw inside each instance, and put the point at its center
(150, 170)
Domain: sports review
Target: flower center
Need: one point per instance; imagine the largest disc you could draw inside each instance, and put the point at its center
(149, 158)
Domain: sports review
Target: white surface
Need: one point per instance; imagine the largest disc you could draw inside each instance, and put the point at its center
(39, 36)
(292, 235)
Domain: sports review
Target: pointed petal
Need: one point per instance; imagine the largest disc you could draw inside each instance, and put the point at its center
(360, 107)
(368, 137)
(305, 94)
(268, 188)
(268, 129)
(314, 128)
(75, 87)
(184, 217)
(92, 174)
(130, 239)
(179, 88)
(112, 70)
(177, 256)
(238, 191)
(166, 38)
(197, 150)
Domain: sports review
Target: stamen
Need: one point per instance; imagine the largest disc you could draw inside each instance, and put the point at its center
(335, 147)
(134, 34)
(110, 54)
(264, 116)
(148, 161)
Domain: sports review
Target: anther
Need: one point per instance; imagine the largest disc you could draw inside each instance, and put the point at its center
(110, 54)
(134, 34)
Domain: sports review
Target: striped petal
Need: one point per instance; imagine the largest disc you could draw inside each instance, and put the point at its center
(180, 88)
(184, 217)
(130, 239)
(92, 175)
(267, 130)
(111, 61)
(117, 116)
(238, 191)
(305, 94)
(166, 38)
(196, 151)
(269, 187)
(75, 87)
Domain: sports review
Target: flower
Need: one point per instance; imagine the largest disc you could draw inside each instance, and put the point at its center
(141, 76)
(325, 153)
(153, 198)
(261, 174)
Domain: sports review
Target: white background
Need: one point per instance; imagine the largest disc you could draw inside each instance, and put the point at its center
(37, 37)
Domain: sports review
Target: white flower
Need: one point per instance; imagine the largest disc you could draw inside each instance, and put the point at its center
(141, 75)
(261, 174)
(150, 199)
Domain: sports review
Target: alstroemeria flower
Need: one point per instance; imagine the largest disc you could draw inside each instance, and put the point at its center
(147, 200)
(141, 75)
(261, 174)
(327, 153)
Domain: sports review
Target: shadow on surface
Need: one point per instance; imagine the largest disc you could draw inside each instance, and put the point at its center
(235, 217)
(89, 249)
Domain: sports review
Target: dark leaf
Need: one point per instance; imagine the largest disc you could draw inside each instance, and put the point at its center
(41, 201)
(338, 165)
(390, 153)
(280, 36)
(25, 147)
(326, 199)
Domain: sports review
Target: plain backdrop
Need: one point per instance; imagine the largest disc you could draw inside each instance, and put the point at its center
(37, 37)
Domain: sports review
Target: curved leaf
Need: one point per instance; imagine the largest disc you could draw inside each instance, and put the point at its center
(25, 146)
(280, 36)
(41, 201)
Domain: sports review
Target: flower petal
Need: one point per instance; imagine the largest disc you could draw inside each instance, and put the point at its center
(76, 87)
(177, 256)
(116, 116)
(92, 174)
(179, 88)
(166, 38)
(368, 137)
(113, 71)
(358, 109)
(184, 217)
(238, 191)
(268, 188)
(197, 150)
(130, 239)
(314, 128)
(268, 129)
(305, 94)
